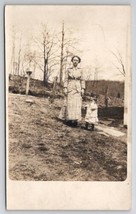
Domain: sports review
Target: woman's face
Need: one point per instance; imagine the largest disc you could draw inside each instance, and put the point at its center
(75, 61)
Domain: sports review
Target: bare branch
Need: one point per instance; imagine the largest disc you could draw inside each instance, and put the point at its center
(38, 65)
(120, 61)
(119, 69)
(37, 42)
(69, 41)
(57, 63)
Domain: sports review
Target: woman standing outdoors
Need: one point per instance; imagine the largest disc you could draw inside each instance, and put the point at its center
(74, 86)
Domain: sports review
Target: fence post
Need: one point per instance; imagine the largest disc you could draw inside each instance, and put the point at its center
(28, 81)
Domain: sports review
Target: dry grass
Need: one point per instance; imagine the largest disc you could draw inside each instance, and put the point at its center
(43, 148)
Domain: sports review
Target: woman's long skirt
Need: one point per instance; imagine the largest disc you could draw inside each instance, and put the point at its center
(74, 104)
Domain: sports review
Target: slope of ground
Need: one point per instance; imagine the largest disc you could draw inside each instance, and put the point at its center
(43, 148)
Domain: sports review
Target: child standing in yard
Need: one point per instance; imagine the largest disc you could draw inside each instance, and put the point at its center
(91, 117)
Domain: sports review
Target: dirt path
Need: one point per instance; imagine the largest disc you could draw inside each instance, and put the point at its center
(111, 131)
(43, 148)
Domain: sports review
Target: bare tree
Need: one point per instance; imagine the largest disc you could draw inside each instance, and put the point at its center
(17, 51)
(46, 57)
(19, 55)
(61, 57)
(97, 68)
(12, 70)
(120, 64)
(68, 47)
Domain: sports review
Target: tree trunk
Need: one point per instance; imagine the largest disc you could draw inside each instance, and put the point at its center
(61, 58)
(106, 97)
(45, 79)
(45, 72)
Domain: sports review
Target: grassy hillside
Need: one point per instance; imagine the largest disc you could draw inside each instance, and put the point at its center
(115, 89)
(43, 148)
(17, 84)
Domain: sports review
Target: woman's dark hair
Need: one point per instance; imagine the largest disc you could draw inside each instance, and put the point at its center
(76, 57)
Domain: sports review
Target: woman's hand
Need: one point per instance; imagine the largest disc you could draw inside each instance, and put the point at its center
(65, 91)
(82, 92)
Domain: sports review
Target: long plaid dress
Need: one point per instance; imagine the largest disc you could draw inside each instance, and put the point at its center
(74, 83)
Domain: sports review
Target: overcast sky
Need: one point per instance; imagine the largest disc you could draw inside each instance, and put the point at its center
(98, 29)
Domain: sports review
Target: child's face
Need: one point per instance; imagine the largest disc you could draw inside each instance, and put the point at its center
(91, 99)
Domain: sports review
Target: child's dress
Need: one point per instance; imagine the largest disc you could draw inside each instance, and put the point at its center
(92, 113)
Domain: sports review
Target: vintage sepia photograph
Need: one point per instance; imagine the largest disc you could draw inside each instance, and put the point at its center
(68, 93)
